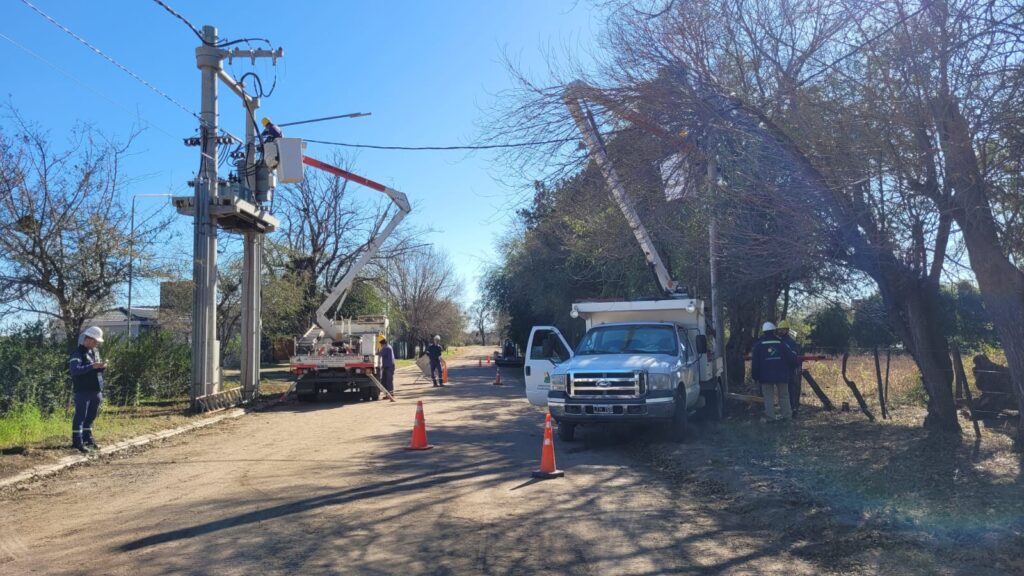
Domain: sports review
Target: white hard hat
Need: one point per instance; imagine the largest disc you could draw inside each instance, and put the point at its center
(767, 327)
(94, 332)
(437, 338)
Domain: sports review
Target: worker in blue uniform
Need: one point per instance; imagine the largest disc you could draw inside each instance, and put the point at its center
(772, 365)
(434, 352)
(87, 384)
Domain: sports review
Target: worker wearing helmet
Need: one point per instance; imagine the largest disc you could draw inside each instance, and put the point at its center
(434, 352)
(772, 366)
(271, 131)
(387, 366)
(795, 382)
(87, 381)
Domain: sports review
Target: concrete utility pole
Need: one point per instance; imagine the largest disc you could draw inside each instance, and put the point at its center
(240, 213)
(716, 301)
(205, 352)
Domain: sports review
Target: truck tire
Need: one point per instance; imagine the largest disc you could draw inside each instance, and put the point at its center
(680, 420)
(366, 394)
(566, 431)
(714, 404)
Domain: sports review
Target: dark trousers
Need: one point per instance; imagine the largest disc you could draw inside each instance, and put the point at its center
(436, 373)
(387, 377)
(795, 387)
(87, 405)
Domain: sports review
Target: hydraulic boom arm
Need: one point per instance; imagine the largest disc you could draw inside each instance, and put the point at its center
(574, 100)
(340, 291)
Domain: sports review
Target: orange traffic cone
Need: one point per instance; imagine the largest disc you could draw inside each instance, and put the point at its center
(547, 455)
(479, 363)
(444, 372)
(497, 377)
(419, 431)
(488, 360)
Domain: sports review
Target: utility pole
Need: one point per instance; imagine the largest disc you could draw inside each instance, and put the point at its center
(204, 247)
(252, 262)
(209, 211)
(716, 301)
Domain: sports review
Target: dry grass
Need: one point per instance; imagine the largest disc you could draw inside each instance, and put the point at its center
(893, 471)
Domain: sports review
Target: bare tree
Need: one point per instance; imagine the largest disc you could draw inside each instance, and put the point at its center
(481, 315)
(64, 230)
(424, 291)
(326, 223)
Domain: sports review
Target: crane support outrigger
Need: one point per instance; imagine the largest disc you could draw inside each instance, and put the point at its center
(335, 356)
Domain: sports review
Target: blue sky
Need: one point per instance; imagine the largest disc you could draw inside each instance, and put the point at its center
(426, 70)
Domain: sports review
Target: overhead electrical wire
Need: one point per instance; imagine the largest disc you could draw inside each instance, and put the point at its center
(199, 34)
(122, 67)
(442, 148)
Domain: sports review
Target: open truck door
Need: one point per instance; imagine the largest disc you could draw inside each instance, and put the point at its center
(545, 348)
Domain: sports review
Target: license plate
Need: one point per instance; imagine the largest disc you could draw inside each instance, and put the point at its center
(602, 409)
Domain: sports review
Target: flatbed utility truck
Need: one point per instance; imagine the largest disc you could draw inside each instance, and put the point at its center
(337, 356)
(646, 361)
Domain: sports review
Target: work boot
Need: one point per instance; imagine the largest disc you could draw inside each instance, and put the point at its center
(77, 444)
(91, 444)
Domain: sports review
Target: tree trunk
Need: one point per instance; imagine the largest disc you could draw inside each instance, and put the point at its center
(912, 306)
(1000, 282)
(742, 317)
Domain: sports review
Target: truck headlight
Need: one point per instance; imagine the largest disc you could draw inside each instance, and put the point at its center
(659, 381)
(558, 382)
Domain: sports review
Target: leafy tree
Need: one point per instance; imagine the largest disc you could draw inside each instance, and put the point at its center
(830, 330)
(965, 318)
(870, 327)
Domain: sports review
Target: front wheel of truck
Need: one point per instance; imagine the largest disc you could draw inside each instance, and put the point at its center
(680, 420)
(566, 431)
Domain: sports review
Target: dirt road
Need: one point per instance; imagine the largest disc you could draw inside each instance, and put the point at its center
(328, 489)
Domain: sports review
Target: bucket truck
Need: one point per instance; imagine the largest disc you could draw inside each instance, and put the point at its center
(648, 361)
(338, 356)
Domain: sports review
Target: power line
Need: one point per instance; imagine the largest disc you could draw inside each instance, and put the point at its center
(84, 85)
(199, 34)
(924, 6)
(122, 67)
(111, 60)
(442, 148)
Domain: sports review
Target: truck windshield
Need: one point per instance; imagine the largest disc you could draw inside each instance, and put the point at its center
(629, 340)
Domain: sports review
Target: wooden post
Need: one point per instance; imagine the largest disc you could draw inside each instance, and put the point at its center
(881, 390)
(818, 391)
(856, 392)
(888, 361)
(961, 384)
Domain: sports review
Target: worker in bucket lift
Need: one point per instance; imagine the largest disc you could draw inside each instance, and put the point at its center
(387, 366)
(271, 131)
(434, 353)
(87, 384)
(783, 331)
(772, 365)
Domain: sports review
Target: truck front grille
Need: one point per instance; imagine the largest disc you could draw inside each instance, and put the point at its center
(607, 384)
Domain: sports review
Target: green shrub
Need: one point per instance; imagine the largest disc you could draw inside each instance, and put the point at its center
(156, 365)
(33, 371)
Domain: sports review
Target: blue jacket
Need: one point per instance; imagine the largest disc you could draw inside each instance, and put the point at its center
(387, 357)
(772, 361)
(84, 377)
(434, 351)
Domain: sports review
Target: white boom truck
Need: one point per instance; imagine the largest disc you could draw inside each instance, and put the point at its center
(648, 361)
(338, 356)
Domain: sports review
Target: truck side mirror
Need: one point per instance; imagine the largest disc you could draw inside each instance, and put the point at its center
(702, 344)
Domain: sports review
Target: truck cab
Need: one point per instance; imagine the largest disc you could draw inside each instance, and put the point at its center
(639, 362)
